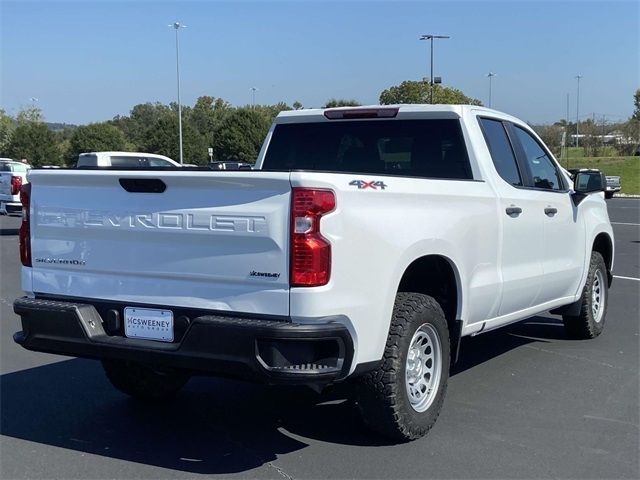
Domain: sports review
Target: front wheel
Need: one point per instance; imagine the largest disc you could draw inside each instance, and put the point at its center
(608, 195)
(142, 381)
(589, 323)
(402, 398)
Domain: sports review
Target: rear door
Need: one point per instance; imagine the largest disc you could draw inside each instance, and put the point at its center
(210, 240)
(522, 226)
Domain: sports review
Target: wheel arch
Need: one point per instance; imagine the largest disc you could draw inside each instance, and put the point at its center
(603, 244)
(437, 276)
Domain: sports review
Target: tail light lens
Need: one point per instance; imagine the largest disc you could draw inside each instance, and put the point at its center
(310, 251)
(25, 228)
(16, 183)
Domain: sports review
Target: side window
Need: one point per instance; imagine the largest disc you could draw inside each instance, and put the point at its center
(501, 151)
(544, 172)
(158, 162)
(127, 162)
(87, 161)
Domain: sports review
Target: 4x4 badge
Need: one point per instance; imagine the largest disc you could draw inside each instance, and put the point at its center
(373, 184)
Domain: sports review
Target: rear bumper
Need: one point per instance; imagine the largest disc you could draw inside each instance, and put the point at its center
(10, 208)
(269, 351)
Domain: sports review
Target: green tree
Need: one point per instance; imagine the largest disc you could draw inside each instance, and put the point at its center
(207, 112)
(139, 124)
(203, 115)
(335, 102)
(411, 91)
(630, 137)
(271, 111)
(35, 142)
(163, 139)
(95, 137)
(240, 134)
(297, 105)
(636, 104)
(29, 115)
(7, 126)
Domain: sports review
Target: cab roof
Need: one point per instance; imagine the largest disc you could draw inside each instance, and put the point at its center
(405, 111)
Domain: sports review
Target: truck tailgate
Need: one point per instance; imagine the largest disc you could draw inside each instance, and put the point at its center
(5, 187)
(210, 240)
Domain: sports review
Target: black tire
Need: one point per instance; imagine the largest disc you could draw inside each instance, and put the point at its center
(144, 382)
(608, 195)
(383, 399)
(585, 325)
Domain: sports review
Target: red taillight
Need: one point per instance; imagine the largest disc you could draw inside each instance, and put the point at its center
(310, 251)
(25, 229)
(16, 183)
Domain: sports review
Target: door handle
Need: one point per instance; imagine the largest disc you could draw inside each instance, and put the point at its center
(550, 211)
(513, 211)
(143, 185)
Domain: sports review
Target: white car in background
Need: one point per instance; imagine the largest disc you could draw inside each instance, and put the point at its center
(124, 159)
(613, 186)
(13, 175)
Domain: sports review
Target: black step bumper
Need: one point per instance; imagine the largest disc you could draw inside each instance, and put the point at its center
(277, 352)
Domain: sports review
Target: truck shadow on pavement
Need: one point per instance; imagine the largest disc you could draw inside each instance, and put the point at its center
(213, 425)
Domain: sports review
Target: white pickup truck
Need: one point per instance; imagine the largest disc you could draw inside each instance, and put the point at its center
(12, 176)
(367, 242)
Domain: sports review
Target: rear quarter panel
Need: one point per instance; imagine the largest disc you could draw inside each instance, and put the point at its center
(376, 234)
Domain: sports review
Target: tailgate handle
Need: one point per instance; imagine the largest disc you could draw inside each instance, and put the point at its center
(143, 185)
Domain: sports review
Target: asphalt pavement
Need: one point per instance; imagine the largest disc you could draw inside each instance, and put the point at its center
(524, 402)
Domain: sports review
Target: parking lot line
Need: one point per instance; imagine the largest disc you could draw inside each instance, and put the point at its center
(626, 278)
(622, 223)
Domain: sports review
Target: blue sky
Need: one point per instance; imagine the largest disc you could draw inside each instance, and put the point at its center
(90, 60)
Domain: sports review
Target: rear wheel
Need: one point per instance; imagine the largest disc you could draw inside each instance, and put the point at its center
(142, 381)
(589, 323)
(402, 398)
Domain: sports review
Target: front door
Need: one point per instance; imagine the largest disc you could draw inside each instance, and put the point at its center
(564, 235)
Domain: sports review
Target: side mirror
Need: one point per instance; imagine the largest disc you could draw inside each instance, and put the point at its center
(586, 182)
(589, 181)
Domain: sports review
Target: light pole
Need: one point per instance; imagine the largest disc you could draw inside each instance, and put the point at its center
(177, 26)
(490, 75)
(430, 38)
(578, 77)
(253, 96)
(566, 148)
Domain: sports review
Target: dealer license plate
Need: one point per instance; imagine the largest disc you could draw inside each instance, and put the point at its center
(148, 323)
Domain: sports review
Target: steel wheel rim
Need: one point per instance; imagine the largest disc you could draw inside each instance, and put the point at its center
(423, 367)
(597, 296)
